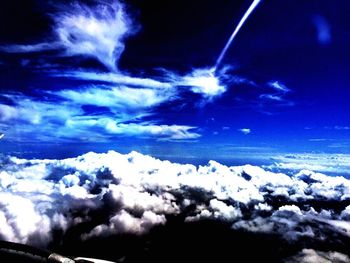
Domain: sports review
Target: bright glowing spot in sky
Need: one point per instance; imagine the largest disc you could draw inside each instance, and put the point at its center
(203, 81)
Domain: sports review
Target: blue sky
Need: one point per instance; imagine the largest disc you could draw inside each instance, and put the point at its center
(98, 75)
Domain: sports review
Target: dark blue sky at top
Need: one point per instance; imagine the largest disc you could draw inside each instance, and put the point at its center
(286, 82)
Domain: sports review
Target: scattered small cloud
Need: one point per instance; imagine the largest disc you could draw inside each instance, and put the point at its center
(278, 86)
(319, 140)
(245, 131)
(276, 97)
(271, 97)
(342, 127)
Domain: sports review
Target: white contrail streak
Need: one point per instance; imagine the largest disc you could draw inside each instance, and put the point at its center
(235, 32)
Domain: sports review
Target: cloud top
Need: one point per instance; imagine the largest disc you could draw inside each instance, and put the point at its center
(137, 192)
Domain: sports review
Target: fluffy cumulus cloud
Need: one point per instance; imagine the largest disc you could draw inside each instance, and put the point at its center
(134, 193)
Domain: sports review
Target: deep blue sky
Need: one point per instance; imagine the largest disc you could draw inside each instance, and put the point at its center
(283, 85)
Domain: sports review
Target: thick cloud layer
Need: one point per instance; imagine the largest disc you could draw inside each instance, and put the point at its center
(134, 193)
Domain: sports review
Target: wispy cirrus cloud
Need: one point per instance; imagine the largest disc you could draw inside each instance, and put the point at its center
(100, 32)
(199, 81)
(123, 103)
(111, 127)
(120, 98)
(280, 90)
(79, 30)
(67, 119)
(276, 97)
(40, 47)
(278, 86)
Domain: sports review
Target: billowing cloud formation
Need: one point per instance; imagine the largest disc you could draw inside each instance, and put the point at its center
(135, 192)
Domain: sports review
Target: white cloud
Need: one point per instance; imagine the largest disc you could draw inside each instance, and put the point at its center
(308, 255)
(98, 32)
(273, 97)
(200, 81)
(117, 98)
(112, 127)
(65, 119)
(30, 48)
(278, 86)
(115, 78)
(203, 81)
(278, 96)
(329, 163)
(245, 131)
(8, 112)
(124, 102)
(142, 191)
